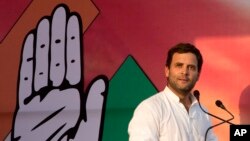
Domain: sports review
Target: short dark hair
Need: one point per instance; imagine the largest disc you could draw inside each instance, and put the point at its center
(184, 48)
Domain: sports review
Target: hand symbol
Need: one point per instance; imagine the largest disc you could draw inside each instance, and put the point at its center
(51, 104)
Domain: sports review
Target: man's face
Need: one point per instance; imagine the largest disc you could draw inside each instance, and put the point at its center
(183, 72)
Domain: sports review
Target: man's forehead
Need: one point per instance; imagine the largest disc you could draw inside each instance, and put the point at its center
(189, 58)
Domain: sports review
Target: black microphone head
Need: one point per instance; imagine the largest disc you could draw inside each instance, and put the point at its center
(197, 94)
(219, 104)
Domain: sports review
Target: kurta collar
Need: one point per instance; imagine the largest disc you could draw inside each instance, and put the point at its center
(176, 98)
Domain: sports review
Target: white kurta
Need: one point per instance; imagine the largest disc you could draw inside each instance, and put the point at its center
(163, 118)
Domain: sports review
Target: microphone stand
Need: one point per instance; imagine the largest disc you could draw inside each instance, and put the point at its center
(196, 94)
(218, 125)
(219, 104)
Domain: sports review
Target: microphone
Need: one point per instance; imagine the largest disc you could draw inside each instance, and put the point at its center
(197, 95)
(219, 104)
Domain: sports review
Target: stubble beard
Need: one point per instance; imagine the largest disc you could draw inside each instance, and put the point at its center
(185, 90)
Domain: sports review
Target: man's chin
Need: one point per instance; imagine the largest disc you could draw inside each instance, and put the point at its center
(185, 89)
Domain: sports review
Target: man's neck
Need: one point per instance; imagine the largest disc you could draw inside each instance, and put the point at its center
(185, 98)
(186, 101)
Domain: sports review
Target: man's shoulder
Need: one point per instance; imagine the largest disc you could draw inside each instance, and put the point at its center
(155, 100)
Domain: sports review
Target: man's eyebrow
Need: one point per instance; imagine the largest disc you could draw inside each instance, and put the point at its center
(192, 65)
(178, 63)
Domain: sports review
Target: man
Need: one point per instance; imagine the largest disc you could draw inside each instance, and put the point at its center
(174, 114)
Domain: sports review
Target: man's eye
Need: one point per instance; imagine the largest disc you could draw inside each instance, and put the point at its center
(178, 65)
(192, 67)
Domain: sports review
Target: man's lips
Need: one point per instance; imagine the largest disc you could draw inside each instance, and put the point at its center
(183, 79)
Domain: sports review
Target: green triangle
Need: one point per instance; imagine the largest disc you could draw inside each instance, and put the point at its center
(127, 88)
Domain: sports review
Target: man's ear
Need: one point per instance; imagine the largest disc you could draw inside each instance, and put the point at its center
(166, 71)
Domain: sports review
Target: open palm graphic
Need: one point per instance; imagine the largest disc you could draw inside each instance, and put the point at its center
(51, 103)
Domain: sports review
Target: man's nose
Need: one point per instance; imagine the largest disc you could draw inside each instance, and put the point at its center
(185, 70)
